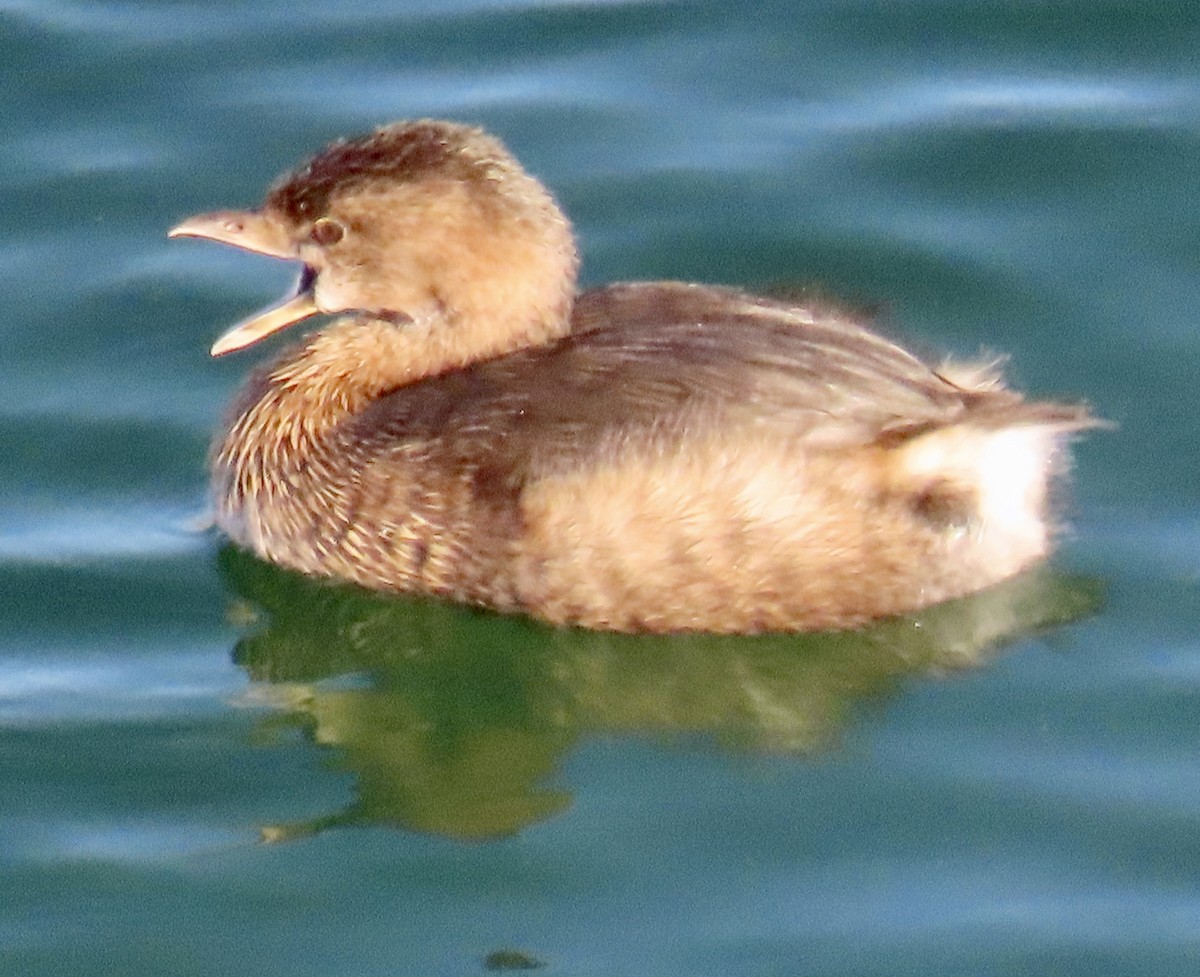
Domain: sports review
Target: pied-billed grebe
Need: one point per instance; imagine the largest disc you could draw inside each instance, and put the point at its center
(651, 456)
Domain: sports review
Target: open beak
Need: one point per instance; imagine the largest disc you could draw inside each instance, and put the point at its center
(256, 232)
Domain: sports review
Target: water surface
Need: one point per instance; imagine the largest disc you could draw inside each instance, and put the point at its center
(212, 767)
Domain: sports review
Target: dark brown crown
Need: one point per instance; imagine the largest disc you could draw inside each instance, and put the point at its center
(401, 152)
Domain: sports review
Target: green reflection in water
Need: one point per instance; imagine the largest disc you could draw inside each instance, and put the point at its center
(453, 721)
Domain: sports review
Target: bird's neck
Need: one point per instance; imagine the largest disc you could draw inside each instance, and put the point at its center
(339, 370)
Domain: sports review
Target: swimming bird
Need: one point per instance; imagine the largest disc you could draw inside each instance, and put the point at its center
(651, 456)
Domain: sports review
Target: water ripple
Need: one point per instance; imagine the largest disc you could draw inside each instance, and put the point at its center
(74, 534)
(987, 101)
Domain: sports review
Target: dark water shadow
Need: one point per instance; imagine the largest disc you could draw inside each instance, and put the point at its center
(453, 721)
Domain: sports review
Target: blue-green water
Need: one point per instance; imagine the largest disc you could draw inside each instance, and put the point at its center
(1007, 786)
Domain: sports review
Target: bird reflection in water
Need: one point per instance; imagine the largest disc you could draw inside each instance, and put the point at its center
(456, 722)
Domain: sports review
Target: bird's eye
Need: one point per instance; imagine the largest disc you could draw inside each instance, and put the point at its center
(327, 231)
